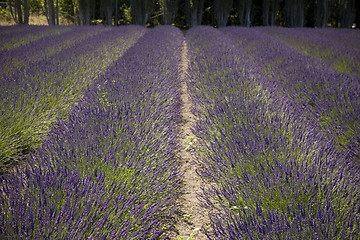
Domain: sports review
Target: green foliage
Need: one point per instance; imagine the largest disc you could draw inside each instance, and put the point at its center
(36, 6)
(68, 9)
(5, 14)
(125, 15)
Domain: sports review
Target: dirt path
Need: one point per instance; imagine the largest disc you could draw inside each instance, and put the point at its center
(191, 217)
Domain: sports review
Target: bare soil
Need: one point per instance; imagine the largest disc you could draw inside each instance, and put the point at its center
(192, 219)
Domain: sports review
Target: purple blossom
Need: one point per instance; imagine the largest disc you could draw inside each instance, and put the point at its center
(108, 171)
(275, 174)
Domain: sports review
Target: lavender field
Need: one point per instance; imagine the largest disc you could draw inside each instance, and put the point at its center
(90, 131)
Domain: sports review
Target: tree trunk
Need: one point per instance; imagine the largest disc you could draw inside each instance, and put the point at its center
(84, 10)
(57, 12)
(109, 14)
(265, 11)
(46, 9)
(116, 12)
(241, 11)
(357, 14)
(322, 13)
(200, 11)
(294, 12)
(9, 3)
(248, 11)
(194, 12)
(18, 11)
(169, 9)
(221, 11)
(274, 7)
(326, 13)
(347, 13)
(26, 11)
(244, 12)
(140, 11)
(51, 12)
(301, 21)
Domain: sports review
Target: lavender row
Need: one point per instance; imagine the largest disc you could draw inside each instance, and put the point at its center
(27, 35)
(338, 51)
(17, 59)
(320, 93)
(8, 30)
(109, 172)
(273, 174)
(32, 98)
(343, 38)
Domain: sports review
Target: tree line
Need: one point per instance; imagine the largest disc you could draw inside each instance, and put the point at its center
(189, 13)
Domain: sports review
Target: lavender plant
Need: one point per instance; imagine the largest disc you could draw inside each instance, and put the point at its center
(318, 91)
(274, 174)
(27, 35)
(36, 95)
(108, 171)
(9, 30)
(16, 59)
(338, 49)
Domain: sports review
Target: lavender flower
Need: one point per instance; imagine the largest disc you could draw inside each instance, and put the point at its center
(274, 173)
(108, 171)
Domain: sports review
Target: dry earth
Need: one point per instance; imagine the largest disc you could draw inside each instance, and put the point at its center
(191, 217)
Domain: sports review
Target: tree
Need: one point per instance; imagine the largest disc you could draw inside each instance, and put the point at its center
(294, 13)
(357, 13)
(84, 10)
(51, 12)
(265, 12)
(322, 13)
(116, 20)
(269, 10)
(140, 11)
(26, 11)
(221, 11)
(109, 9)
(57, 12)
(244, 12)
(194, 12)
(19, 10)
(169, 9)
(346, 13)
